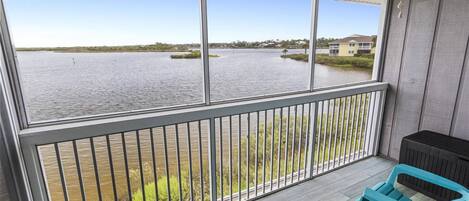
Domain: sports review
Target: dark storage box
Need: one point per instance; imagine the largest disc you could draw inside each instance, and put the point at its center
(441, 154)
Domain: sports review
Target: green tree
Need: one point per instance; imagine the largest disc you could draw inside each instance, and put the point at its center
(374, 39)
(324, 42)
(150, 193)
(306, 46)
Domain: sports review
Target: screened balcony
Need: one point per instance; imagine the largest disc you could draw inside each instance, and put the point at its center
(257, 130)
(233, 151)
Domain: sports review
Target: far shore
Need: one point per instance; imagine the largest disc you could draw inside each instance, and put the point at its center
(136, 48)
(183, 52)
(187, 47)
(158, 47)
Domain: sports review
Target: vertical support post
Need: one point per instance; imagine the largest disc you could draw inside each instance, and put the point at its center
(379, 121)
(13, 117)
(212, 154)
(312, 41)
(37, 180)
(369, 135)
(312, 136)
(204, 50)
(380, 42)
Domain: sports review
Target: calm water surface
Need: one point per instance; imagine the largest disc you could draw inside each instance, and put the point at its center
(61, 85)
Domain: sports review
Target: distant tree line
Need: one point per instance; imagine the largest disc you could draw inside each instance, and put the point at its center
(157, 47)
(323, 43)
(166, 47)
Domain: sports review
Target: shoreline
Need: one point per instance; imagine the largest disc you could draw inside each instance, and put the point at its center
(335, 61)
(158, 47)
(111, 49)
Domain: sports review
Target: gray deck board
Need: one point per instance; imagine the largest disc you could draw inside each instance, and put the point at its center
(346, 183)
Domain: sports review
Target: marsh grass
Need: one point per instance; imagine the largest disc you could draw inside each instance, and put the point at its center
(336, 61)
(332, 130)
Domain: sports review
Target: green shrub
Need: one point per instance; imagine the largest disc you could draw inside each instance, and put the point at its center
(150, 193)
(191, 55)
(369, 56)
(359, 62)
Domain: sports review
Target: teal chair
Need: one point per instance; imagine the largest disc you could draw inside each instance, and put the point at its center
(385, 191)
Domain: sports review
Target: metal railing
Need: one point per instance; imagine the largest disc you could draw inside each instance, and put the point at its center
(234, 151)
(364, 47)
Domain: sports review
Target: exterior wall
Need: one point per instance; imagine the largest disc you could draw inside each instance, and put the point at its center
(7, 186)
(344, 48)
(426, 66)
(4, 195)
(353, 48)
(6, 189)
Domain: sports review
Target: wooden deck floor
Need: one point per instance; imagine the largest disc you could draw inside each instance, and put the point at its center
(344, 184)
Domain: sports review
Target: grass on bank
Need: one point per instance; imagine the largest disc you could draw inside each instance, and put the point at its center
(191, 55)
(360, 61)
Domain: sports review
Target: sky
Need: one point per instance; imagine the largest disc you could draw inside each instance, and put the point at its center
(53, 23)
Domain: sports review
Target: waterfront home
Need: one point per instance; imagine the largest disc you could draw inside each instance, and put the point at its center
(352, 45)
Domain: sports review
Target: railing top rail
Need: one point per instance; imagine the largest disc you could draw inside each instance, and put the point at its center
(92, 128)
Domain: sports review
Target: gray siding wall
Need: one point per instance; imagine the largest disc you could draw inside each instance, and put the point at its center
(4, 196)
(425, 64)
(5, 187)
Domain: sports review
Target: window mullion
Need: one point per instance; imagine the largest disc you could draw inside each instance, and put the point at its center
(204, 50)
(312, 41)
(378, 63)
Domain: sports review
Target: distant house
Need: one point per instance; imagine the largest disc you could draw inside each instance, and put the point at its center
(349, 46)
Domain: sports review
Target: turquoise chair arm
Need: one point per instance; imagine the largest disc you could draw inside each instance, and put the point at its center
(375, 196)
(428, 177)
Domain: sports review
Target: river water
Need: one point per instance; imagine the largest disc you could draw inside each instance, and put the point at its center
(63, 85)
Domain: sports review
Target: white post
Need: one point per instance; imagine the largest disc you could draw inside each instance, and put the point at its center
(312, 136)
(312, 41)
(204, 50)
(212, 154)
